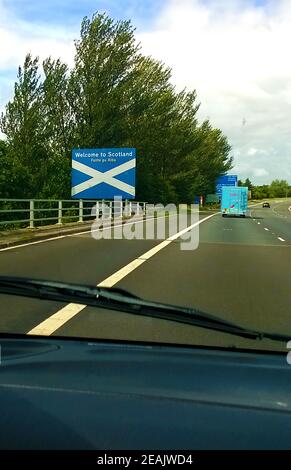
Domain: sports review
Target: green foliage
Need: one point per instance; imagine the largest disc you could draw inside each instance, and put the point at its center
(23, 125)
(261, 192)
(6, 170)
(112, 97)
(248, 184)
(279, 188)
(58, 115)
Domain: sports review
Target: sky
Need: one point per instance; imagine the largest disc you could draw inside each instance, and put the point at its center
(234, 53)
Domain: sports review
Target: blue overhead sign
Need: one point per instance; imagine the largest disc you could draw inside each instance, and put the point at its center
(226, 180)
(103, 173)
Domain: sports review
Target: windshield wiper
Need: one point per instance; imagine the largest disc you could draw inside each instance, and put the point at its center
(121, 300)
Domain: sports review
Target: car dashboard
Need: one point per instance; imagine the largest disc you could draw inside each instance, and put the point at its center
(80, 394)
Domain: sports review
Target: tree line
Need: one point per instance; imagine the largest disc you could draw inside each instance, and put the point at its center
(113, 96)
(277, 188)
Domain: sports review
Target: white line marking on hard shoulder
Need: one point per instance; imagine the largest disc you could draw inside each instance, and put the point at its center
(32, 243)
(58, 319)
(70, 235)
(265, 228)
(281, 239)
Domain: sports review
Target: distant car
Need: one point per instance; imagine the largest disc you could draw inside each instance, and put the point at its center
(266, 204)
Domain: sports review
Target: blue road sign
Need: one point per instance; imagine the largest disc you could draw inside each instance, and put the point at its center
(226, 180)
(103, 173)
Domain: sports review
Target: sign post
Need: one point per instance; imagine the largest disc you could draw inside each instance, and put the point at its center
(225, 180)
(103, 173)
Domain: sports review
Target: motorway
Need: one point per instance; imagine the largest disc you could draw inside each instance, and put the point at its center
(240, 271)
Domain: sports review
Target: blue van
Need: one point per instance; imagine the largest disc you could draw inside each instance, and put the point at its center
(234, 200)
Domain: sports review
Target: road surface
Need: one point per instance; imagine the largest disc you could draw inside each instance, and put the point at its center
(241, 271)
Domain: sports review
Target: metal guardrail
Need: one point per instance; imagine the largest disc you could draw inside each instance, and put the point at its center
(37, 212)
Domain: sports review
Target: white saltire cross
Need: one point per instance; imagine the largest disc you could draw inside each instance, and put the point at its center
(99, 177)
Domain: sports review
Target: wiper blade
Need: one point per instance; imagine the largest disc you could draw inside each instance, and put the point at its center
(121, 300)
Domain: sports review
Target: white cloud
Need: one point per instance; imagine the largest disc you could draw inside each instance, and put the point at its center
(237, 57)
(259, 172)
(252, 151)
(18, 37)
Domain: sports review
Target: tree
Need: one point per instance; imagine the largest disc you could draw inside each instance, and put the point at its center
(261, 192)
(208, 160)
(23, 125)
(161, 125)
(279, 188)
(112, 97)
(104, 61)
(59, 119)
(248, 184)
(59, 128)
(6, 170)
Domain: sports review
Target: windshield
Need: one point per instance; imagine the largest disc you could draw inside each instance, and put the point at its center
(146, 148)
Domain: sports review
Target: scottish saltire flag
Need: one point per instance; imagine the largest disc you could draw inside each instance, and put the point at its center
(103, 173)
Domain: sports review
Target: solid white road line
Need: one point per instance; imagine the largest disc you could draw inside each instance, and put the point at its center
(281, 239)
(58, 319)
(32, 243)
(58, 237)
(55, 321)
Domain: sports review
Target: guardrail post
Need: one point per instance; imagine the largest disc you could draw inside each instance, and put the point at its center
(103, 208)
(60, 212)
(110, 210)
(81, 211)
(31, 214)
(137, 208)
(125, 209)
